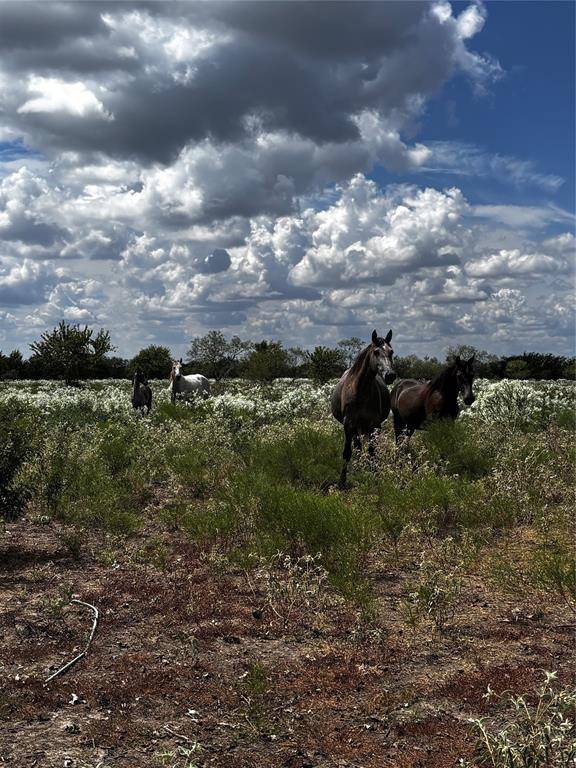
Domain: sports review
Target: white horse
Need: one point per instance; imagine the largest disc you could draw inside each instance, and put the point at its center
(184, 385)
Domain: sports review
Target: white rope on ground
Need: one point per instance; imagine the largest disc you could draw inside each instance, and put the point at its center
(83, 653)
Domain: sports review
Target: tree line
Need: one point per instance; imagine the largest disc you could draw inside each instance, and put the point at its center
(73, 353)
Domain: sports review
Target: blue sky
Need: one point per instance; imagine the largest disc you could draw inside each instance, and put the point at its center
(529, 113)
(296, 171)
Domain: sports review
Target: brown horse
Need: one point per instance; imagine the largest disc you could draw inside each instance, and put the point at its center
(361, 400)
(415, 402)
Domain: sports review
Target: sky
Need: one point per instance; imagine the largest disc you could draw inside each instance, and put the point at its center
(300, 171)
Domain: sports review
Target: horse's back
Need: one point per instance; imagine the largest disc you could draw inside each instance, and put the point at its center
(403, 386)
(409, 400)
(196, 382)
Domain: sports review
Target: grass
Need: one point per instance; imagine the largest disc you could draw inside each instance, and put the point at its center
(233, 483)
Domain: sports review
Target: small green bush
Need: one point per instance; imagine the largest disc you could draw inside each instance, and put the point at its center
(17, 444)
(460, 447)
(554, 570)
(341, 531)
(306, 457)
(533, 735)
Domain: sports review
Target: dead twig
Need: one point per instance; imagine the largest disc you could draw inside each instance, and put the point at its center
(179, 735)
(83, 653)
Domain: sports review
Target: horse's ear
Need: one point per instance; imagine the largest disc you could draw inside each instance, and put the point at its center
(374, 337)
(180, 361)
(388, 338)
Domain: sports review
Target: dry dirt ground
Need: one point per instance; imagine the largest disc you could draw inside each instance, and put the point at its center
(187, 670)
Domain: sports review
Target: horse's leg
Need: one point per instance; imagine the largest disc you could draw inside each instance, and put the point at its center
(399, 426)
(349, 434)
(358, 443)
(371, 448)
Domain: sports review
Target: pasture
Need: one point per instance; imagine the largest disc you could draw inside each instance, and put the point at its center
(249, 619)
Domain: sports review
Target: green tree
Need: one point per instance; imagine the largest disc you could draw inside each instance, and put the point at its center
(569, 370)
(112, 368)
(517, 369)
(544, 365)
(325, 363)
(414, 367)
(351, 348)
(486, 364)
(268, 361)
(69, 352)
(12, 365)
(155, 362)
(215, 356)
(298, 362)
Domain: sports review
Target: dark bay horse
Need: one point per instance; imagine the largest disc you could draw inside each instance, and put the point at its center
(141, 392)
(415, 402)
(361, 400)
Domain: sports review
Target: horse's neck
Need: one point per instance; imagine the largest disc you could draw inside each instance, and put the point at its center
(449, 392)
(135, 387)
(366, 375)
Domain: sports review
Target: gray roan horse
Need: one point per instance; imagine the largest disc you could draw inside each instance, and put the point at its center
(415, 402)
(141, 392)
(361, 400)
(184, 385)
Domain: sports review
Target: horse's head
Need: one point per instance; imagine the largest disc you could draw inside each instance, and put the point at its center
(381, 354)
(139, 377)
(465, 378)
(176, 373)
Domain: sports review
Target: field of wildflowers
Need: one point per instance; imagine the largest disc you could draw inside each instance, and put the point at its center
(518, 403)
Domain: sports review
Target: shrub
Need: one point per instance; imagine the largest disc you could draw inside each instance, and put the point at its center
(276, 517)
(290, 585)
(17, 443)
(305, 456)
(436, 591)
(73, 482)
(554, 570)
(533, 736)
(460, 447)
(435, 594)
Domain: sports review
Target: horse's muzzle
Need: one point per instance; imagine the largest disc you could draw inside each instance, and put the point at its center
(389, 377)
(469, 400)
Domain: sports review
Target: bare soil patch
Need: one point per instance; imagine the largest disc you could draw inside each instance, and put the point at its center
(185, 659)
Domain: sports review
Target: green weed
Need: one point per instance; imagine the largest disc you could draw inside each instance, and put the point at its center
(540, 735)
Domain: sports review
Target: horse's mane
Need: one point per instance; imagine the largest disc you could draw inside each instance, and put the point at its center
(442, 379)
(358, 364)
